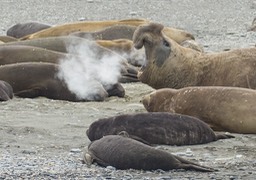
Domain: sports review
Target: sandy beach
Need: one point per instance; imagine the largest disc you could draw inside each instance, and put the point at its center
(45, 139)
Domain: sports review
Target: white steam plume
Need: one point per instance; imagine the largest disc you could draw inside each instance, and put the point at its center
(89, 69)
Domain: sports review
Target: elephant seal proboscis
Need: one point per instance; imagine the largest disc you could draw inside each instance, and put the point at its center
(229, 109)
(6, 91)
(169, 65)
(126, 153)
(156, 128)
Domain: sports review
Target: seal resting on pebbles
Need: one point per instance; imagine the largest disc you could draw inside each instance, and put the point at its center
(126, 153)
(156, 128)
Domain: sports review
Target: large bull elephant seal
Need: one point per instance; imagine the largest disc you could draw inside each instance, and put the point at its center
(125, 153)
(156, 128)
(223, 108)
(6, 91)
(30, 80)
(170, 65)
(22, 29)
(177, 35)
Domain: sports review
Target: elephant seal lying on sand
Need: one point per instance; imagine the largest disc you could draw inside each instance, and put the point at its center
(6, 91)
(125, 153)
(22, 29)
(20, 53)
(156, 128)
(223, 108)
(170, 65)
(30, 80)
(92, 26)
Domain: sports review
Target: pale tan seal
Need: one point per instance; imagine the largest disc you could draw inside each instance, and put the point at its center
(229, 109)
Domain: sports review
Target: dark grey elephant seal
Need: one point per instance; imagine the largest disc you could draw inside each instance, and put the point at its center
(6, 91)
(156, 128)
(22, 29)
(126, 153)
(30, 80)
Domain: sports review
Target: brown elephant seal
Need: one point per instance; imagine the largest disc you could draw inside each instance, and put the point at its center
(156, 128)
(108, 33)
(30, 80)
(87, 26)
(170, 65)
(6, 91)
(65, 44)
(126, 153)
(22, 29)
(19, 53)
(177, 35)
(223, 108)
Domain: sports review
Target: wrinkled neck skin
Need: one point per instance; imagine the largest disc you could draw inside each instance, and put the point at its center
(177, 70)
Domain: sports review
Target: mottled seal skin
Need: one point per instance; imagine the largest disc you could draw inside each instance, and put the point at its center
(6, 91)
(22, 29)
(126, 153)
(30, 80)
(169, 65)
(156, 128)
(229, 109)
(253, 26)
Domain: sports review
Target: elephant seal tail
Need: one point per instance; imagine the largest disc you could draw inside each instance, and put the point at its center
(188, 165)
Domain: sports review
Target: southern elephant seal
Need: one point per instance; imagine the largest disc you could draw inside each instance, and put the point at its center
(156, 128)
(30, 80)
(223, 108)
(108, 33)
(22, 29)
(177, 35)
(51, 50)
(170, 65)
(6, 91)
(66, 44)
(126, 153)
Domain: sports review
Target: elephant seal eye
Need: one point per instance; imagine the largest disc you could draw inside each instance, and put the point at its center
(166, 43)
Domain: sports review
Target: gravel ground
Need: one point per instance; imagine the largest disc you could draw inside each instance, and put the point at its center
(45, 139)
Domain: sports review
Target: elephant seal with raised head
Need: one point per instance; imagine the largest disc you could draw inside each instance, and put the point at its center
(229, 109)
(30, 80)
(156, 128)
(6, 91)
(126, 153)
(169, 65)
